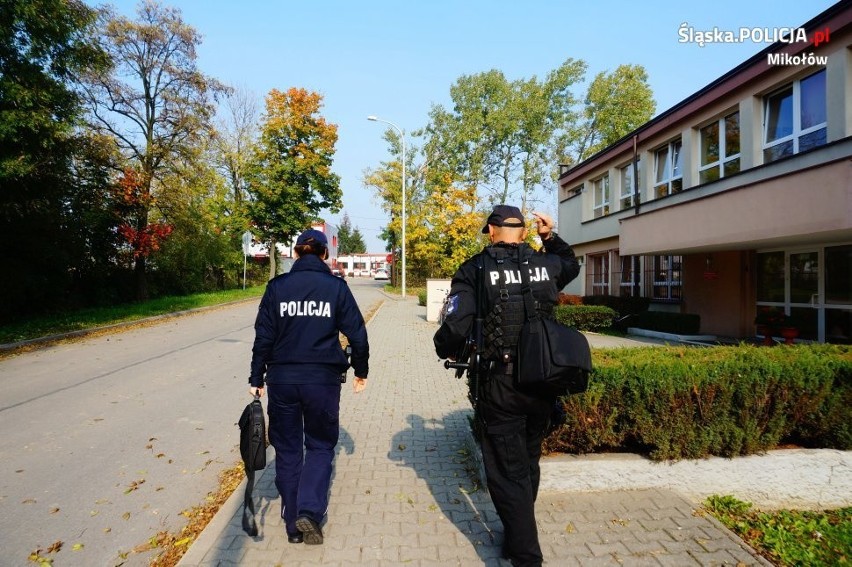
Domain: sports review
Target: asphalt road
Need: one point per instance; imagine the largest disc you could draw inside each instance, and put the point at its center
(106, 440)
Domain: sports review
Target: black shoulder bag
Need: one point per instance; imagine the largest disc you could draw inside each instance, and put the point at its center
(552, 358)
(253, 451)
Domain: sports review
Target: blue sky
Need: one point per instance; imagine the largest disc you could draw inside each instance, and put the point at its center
(396, 59)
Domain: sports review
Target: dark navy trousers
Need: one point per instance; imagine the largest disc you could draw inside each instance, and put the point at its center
(303, 429)
(515, 426)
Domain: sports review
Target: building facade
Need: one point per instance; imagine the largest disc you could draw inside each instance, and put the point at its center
(735, 199)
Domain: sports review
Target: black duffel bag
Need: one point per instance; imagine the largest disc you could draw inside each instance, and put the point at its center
(552, 358)
(253, 451)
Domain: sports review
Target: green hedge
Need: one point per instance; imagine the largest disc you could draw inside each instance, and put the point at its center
(621, 305)
(676, 323)
(584, 317)
(687, 402)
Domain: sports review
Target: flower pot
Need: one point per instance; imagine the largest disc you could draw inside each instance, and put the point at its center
(789, 333)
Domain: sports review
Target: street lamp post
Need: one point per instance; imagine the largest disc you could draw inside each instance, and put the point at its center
(402, 137)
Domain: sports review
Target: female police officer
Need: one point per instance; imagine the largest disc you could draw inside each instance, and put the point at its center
(297, 347)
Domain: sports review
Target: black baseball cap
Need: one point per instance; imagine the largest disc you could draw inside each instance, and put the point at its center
(504, 215)
(312, 236)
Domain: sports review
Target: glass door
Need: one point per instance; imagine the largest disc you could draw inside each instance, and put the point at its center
(813, 287)
(837, 318)
(804, 301)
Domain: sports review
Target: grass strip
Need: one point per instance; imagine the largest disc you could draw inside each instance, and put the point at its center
(788, 537)
(58, 323)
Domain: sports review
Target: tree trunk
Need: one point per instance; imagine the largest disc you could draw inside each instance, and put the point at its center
(273, 259)
(139, 269)
(141, 278)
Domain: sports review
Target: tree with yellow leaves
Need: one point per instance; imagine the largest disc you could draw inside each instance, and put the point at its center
(289, 176)
(443, 222)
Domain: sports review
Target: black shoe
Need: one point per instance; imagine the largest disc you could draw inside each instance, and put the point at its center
(296, 538)
(310, 530)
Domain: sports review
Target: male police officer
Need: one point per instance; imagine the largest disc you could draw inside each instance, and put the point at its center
(297, 347)
(514, 421)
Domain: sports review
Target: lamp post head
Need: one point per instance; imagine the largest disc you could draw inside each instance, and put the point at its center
(373, 118)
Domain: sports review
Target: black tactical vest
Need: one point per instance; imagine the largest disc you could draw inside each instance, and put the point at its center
(501, 326)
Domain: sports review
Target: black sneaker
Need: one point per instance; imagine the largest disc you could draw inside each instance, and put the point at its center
(310, 530)
(295, 538)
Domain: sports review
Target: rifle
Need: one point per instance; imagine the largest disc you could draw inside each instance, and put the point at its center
(469, 357)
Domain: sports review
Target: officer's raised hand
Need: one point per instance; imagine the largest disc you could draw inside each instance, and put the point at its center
(359, 384)
(544, 225)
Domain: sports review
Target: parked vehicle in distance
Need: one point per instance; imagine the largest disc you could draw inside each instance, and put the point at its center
(338, 273)
(381, 274)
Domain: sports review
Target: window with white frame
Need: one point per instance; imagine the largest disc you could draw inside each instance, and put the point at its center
(601, 190)
(629, 189)
(627, 278)
(720, 148)
(794, 118)
(598, 268)
(665, 277)
(668, 172)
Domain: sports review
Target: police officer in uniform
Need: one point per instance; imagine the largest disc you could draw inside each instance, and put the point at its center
(514, 422)
(297, 350)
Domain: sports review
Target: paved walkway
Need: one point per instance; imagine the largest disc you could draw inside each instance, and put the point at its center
(405, 489)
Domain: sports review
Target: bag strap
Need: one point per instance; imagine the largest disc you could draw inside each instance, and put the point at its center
(529, 302)
(499, 256)
(249, 524)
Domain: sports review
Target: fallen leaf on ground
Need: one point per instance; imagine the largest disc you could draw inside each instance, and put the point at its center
(55, 546)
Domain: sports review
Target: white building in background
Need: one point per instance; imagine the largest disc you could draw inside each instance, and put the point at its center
(260, 250)
(364, 265)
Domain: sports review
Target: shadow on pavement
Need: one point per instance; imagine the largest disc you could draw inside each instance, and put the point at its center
(435, 451)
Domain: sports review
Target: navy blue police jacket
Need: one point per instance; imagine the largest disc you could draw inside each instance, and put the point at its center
(550, 270)
(297, 328)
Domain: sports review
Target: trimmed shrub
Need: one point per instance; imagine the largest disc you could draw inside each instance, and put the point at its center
(675, 323)
(421, 297)
(584, 317)
(687, 402)
(621, 305)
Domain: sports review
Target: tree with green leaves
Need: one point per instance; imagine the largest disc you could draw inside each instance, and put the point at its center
(203, 250)
(502, 141)
(616, 104)
(289, 176)
(46, 163)
(154, 103)
(502, 136)
(442, 221)
(350, 241)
